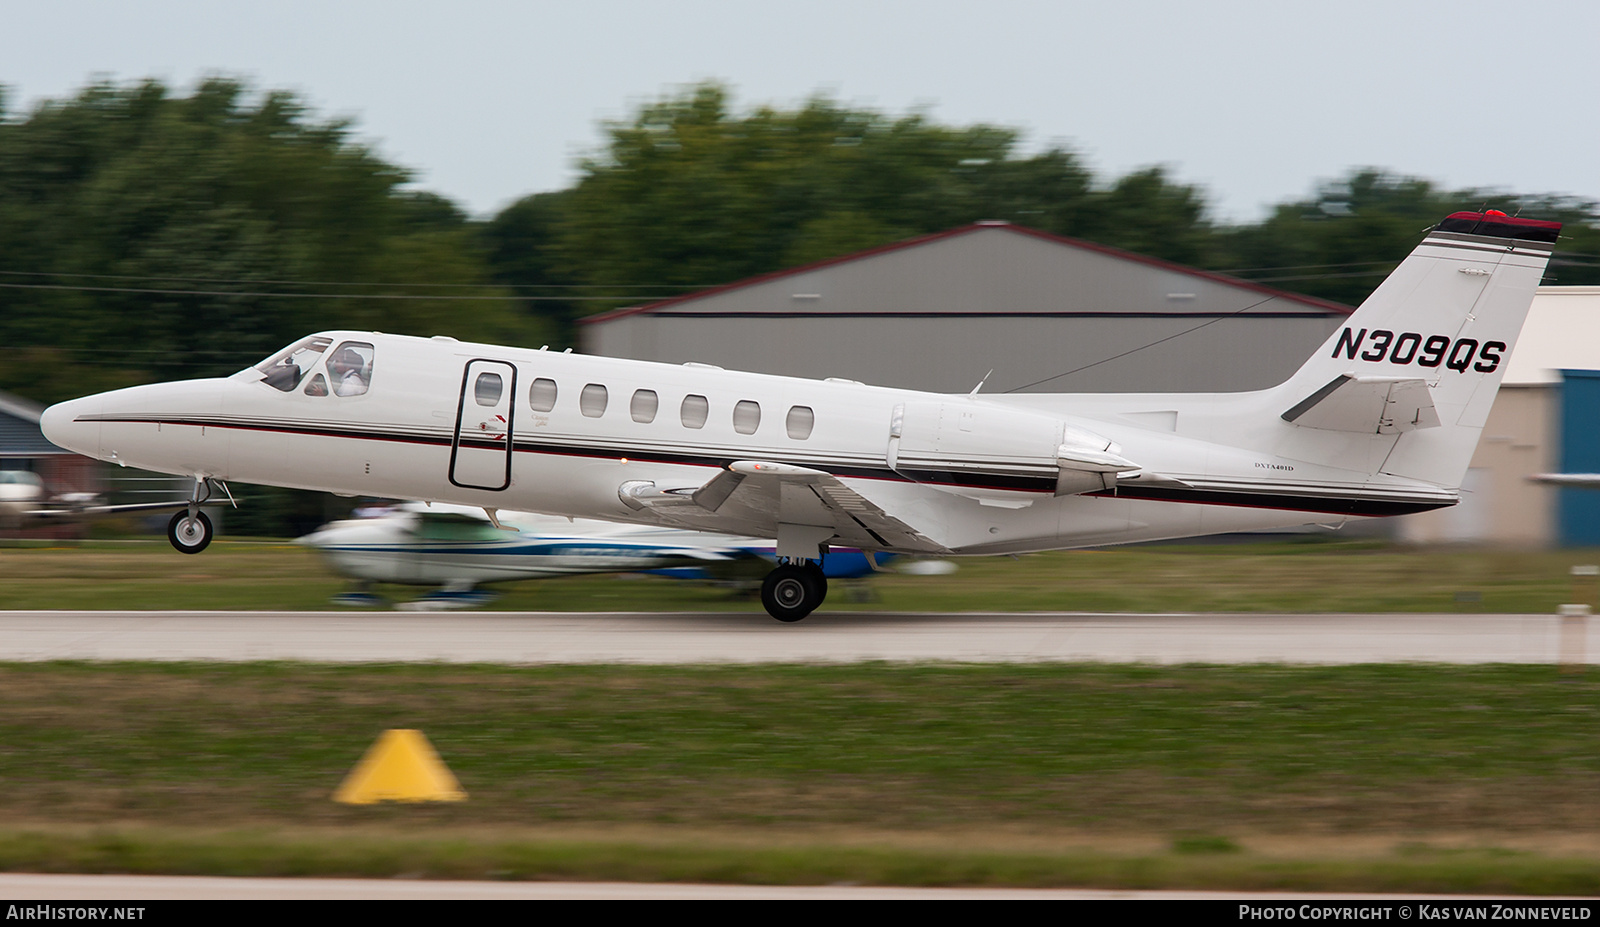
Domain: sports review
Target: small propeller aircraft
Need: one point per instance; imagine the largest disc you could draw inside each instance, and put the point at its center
(21, 493)
(455, 547)
(24, 501)
(1381, 420)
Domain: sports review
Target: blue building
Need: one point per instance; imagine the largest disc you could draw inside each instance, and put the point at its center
(1578, 509)
(1546, 419)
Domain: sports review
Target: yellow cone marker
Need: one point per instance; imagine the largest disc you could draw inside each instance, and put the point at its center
(401, 766)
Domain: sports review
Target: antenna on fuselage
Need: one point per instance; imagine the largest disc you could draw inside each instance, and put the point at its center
(494, 519)
(980, 383)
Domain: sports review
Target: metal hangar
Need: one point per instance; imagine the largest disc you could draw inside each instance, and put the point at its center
(939, 312)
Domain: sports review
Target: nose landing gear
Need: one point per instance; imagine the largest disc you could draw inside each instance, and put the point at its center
(190, 534)
(190, 530)
(794, 590)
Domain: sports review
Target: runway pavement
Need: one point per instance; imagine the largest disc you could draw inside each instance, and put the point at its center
(132, 888)
(595, 637)
(136, 888)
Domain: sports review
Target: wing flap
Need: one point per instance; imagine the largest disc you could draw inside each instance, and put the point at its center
(758, 497)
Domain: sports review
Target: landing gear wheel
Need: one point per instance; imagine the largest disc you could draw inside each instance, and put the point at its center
(190, 535)
(818, 578)
(793, 592)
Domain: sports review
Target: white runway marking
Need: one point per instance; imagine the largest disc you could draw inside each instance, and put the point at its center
(548, 637)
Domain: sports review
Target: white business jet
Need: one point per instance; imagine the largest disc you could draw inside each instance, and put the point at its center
(1380, 421)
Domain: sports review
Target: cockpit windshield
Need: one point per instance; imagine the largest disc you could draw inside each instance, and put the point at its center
(285, 369)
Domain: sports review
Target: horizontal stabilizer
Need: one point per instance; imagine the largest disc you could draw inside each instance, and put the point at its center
(1367, 405)
(1590, 480)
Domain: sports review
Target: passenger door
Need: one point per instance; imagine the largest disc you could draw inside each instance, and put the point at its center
(480, 453)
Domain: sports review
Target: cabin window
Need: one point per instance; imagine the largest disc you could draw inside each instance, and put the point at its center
(800, 421)
(644, 404)
(285, 370)
(694, 411)
(317, 387)
(746, 417)
(350, 368)
(21, 478)
(487, 388)
(443, 527)
(592, 401)
(542, 394)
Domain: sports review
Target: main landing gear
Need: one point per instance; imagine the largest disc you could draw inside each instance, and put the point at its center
(794, 590)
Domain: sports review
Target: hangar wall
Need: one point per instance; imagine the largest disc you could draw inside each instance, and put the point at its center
(1499, 504)
(952, 355)
(1545, 411)
(23, 446)
(940, 312)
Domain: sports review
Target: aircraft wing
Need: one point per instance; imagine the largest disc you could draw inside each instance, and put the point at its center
(77, 511)
(759, 495)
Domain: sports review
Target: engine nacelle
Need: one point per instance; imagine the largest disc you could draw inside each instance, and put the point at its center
(986, 451)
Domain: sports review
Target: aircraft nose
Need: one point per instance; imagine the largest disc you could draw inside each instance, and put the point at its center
(61, 425)
(317, 538)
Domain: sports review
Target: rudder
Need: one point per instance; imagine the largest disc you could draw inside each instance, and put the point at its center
(1424, 354)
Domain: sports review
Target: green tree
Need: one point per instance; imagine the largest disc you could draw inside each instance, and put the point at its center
(689, 194)
(521, 246)
(1340, 243)
(150, 236)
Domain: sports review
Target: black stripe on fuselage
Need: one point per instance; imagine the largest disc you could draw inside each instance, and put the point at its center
(1284, 501)
(278, 427)
(1368, 506)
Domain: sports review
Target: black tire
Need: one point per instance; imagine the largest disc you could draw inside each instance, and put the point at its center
(818, 579)
(790, 593)
(190, 537)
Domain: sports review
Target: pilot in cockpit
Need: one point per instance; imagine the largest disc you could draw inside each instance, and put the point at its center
(347, 371)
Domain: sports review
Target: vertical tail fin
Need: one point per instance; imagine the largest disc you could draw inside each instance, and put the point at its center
(1424, 355)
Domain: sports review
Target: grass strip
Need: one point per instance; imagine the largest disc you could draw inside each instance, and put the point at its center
(256, 853)
(1355, 778)
(1308, 575)
(1203, 750)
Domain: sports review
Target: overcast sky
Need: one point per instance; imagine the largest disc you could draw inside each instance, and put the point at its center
(489, 100)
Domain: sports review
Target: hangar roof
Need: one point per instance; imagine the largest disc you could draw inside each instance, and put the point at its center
(19, 429)
(977, 269)
(1562, 332)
